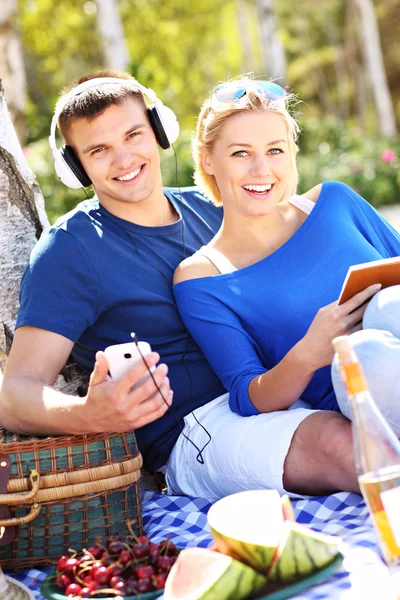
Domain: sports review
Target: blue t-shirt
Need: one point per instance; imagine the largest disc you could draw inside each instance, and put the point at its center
(247, 321)
(95, 278)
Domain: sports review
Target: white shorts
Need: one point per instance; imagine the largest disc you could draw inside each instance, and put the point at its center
(244, 452)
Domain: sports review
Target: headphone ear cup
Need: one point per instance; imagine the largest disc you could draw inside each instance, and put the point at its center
(157, 127)
(63, 171)
(73, 166)
(164, 124)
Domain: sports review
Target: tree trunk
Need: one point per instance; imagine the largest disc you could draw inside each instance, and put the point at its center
(274, 62)
(22, 219)
(12, 64)
(341, 72)
(371, 43)
(243, 27)
(112, 35)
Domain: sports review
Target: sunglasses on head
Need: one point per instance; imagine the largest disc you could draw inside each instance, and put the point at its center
(232, 91)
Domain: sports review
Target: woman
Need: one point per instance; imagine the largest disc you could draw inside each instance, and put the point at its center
(261, 298)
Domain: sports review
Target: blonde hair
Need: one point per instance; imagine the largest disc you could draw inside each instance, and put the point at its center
(212, 118)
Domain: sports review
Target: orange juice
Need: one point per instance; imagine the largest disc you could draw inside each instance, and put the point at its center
(381, 491)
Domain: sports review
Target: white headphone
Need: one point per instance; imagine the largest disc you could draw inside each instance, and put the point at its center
(66, 163)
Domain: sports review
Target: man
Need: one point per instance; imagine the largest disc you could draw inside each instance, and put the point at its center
(105, 270)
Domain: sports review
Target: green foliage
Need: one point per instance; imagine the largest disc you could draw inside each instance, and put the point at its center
(369, 164)
(182, 49)
(60, 42)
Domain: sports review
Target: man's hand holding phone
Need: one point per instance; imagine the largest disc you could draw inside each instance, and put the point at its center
(129, 399)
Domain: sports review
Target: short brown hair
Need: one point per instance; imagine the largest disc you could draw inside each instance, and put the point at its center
(211, 120)
(96, 100)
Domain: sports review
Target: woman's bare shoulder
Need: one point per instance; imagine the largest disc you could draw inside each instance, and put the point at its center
(313, 193)
(194, 267)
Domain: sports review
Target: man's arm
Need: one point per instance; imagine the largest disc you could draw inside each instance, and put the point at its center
(29, 405)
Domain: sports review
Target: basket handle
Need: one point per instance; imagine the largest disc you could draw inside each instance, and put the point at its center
(6, 534)
(15, 521)
(22, 498)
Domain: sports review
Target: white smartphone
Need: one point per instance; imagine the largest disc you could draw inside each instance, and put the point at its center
(123, 356)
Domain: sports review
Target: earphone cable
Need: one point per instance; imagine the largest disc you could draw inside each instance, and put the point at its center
(131, 239)
(199, 456)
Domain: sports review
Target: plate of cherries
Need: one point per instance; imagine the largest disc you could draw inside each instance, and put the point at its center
(135, 569)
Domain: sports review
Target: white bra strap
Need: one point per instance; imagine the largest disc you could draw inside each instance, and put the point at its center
(218, 259)
(303, 203)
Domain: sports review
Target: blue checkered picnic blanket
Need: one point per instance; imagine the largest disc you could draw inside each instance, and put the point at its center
(362, 575)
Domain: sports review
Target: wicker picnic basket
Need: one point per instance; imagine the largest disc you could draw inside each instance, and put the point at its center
(62, 492)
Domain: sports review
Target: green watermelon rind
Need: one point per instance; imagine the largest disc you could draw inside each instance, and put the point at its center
(301, 552)
(237, 582)
(256, 556)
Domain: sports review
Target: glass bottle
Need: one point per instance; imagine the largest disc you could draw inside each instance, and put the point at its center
(377, 454)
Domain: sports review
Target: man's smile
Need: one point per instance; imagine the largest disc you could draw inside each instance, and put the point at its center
(129, 176)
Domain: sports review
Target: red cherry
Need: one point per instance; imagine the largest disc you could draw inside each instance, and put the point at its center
(120, 587)
(92, 585)
(107, 559)
(94, 569)
(63, 581)
(115, 579)
(140, 550)
(167, 547)
(145, 572)
(116, 568)
(61, 562)
(115, 547)
(86, 592)
(159, 581)
(143, 539)
(154, 551)
(125, 556)
(144, 586)
(74, 589)
(96, 551)
(103, 575)
(164, 563)
(70, 566)
(131, 585)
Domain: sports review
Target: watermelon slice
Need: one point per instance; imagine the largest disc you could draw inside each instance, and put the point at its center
(257, 527)
(301, 552)
(287, 508)
(248, 526)
(201, 574)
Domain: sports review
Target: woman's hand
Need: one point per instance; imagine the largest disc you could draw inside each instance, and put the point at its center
(331, 321)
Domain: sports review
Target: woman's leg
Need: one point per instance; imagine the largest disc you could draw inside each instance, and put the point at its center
(383, 311)
(378, 349)
(379, 354)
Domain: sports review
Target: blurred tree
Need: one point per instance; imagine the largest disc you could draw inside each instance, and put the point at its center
(12, 65)
(112, 35)
(244, 31)
(274, 62)
(370, 39)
